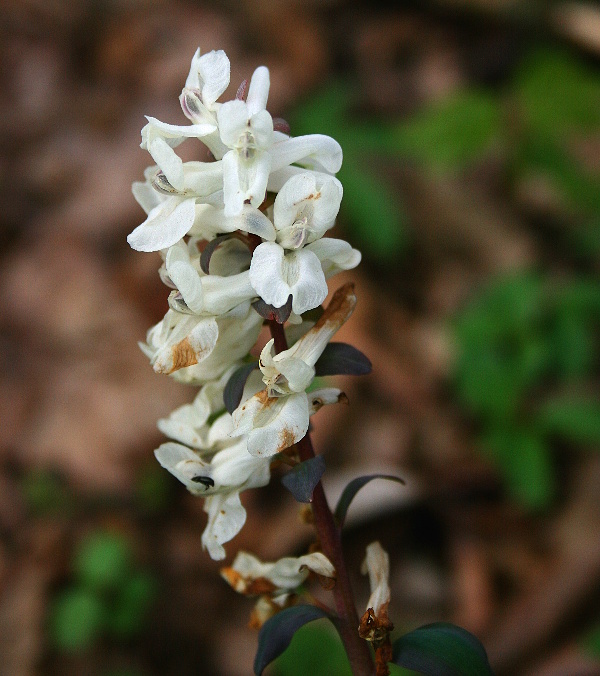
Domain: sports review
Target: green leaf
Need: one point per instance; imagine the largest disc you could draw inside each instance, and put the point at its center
(45, 493)
(572, 417)
(76, 620)
(234, 389)
(316, 649)
(302, 479)
(277, 632)
(376, 214)
(342, 359)
(525, 462)
(352, 489)
(452, 133)
(102, 561)
(131, 605)
(557, 92)
(442, 650)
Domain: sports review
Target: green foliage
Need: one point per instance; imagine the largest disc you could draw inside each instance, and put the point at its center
(102, 561)
(442, 649)
(591, 641)
(557, 93)
(315, 649)
(571, 417)
(522, 335)
(131, 604)
(153, 489)
(373, 210)
(77, 617)
(45, 493)
(450, 134)
(278, 632)
(551, 101)
(108, 595)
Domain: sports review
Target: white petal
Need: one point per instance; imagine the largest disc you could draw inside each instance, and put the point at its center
(261, 126)
(214, 70)
(323, 396)
(226, 517)
(377, 565)
(293, 192)
(221, 294)
(315, 148)
(298, 374)
(193, 80)
(275, 276)
(233, 119)
(273, 424)
(166, 224)
(203, 178)
(335, 255)
(196, 345)
(258, 92)
(266, 274)
(244, 181)
(233, 195)
(183, 464)
(185, 276)
(169, 162)
(237, 335)
(234, 466)
(250, 219)
(318, 563)
(174, 134)
(313, 197)
(145, 195)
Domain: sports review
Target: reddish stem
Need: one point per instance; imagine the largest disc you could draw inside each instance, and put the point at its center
(331, 544)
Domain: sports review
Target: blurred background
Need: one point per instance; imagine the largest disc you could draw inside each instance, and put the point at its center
(471, 137)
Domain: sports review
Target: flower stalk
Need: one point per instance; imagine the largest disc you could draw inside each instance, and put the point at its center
(331, 543)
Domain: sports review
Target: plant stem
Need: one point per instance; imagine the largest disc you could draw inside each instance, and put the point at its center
(331, 544)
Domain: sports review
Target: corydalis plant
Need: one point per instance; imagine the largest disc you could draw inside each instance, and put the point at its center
(243, 242)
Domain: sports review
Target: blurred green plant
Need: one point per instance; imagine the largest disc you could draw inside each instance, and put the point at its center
(523, 337)
(45, 493)
(533, 125)
(372, 209)
(152, 489)
(108, 596)
(590, 642)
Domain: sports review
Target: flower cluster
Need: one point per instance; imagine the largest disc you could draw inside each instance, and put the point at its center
(242, 239)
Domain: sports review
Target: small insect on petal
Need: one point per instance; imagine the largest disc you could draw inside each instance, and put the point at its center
(206, 481)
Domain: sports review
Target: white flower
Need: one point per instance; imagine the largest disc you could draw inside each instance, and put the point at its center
(251, 577)
(207, 80)
(205, 294)
(293, 369)
(305, 208)
(375, 625)
(211, 221)
(276, 274)
(188, 424)
(277, 417)
(246, 128)
(377, 566)
(276, 423)
(186, 345)
(220, 480)
(171, 212)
